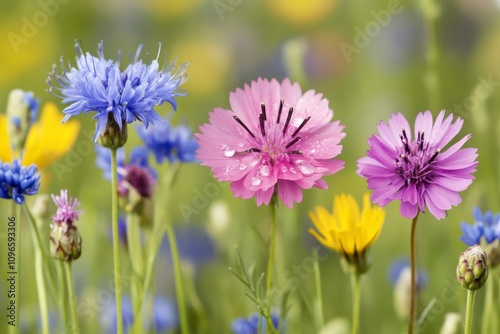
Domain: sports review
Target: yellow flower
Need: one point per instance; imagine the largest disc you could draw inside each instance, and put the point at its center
(348, 230)
(301, 12)
(47, 140)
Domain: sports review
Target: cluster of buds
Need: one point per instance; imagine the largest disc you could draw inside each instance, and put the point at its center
(65, 240)
(472, 270)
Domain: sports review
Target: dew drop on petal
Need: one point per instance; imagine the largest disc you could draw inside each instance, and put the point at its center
(264, 170)
(297, 122)
(293, 170)
(307, 170)
(229, 152)
(284, 169)
(243, 166)
(255, 181)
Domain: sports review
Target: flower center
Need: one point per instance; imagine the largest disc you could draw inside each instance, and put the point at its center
(274, 139)
(414, 159)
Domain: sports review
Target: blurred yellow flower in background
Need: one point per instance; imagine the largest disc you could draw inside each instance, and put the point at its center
(302, 11)
(47, 140)
(25, 52)
(171, 8)
(347, 230)
(209, 64)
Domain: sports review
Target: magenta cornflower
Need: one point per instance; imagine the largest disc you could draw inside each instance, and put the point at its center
(274, 139)
(418, 172)
(67, 208)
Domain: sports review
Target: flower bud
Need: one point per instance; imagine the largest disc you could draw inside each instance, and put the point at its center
(65, 241)
(113, 137)
(22, 108)
(472, 270)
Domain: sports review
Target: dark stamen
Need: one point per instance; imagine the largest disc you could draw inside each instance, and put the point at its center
(405, 158)
(434, 156)
(263, 108)
(295, 152)
(301, 126)
(282, 101)
(262, 119)
(288, 118)
(252, 150)
(292, 142)
(421, 138)
(237, 119)
(404, 134)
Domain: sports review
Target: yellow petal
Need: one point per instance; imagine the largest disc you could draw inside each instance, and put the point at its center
(5, 153)
(49, 139)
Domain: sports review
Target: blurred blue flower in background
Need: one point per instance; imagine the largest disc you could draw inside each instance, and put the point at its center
(250, 325)
(98, 85)
(485, 226)
(194, 244)
(165, 315)
(399, 265)
(108, 316)
(168, 142)
(138, 157)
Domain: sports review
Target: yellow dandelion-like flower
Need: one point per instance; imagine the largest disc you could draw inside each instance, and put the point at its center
(47, 140)
(348, 230)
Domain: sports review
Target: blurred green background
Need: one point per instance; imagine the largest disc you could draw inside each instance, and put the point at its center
(230, 43)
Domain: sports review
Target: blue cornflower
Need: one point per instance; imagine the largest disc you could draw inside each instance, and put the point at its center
(250, 325)
(17, 181)
(165, 316)
(97, 84)
(172, 143)
(485, 226)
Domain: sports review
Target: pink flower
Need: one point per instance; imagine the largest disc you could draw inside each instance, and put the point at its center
(67, 209)
(418, 171)
(275, 139)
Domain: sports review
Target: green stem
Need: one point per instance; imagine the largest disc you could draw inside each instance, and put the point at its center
(136, 260)
(72, 299)
(116, 245)
(319, 293)
(413, 259)
(39, 277)
(178, 279)
(468, 312)
(270, 261)
(63, 295)
(356, 295)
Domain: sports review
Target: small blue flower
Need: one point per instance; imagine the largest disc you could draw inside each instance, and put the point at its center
(164, 314)
(98, 85)
(33, 104)
(17, 181)
(485, 226)
(172, 143)
(397, 268)
(251, 325)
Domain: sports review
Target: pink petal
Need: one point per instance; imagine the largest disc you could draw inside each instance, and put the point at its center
(408, 210)
(289, 192)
